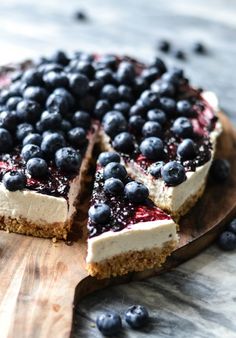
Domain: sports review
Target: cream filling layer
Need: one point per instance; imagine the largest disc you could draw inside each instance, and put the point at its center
(41, 208)
(136, 237)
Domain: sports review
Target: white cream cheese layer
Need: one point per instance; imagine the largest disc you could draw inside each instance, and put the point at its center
(41, 208)
(136, 237)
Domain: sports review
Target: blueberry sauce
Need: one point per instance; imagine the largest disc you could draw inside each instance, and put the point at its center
(124, 213)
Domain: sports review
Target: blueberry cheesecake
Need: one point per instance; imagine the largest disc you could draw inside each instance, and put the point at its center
(126, 231)
(164, 130)
(47, 136)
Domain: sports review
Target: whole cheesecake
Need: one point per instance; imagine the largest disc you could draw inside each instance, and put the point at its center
(162, 130)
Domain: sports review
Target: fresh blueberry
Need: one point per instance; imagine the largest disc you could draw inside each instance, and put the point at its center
(109, 324)
(125, 73)
(5, 94)
(58, 103)
(168, 105)
(136, 123)
(82, 119)
(115, 170)
(113, 186)
(184, 107)
(108, 60)
(86, 68)
(174, 76)
(232, 226)
(173, 173)
(182, 127)
(152, 128)
(179, 54)
(100, 213)
(14, 180)
(107, 157)
(12, 102)
(66, 96)
(6, 142)
(137, 110)
(81, 16)
(67, 159)
(187, 149)
(105, 75)
(28, 110)
(137, 316)
(140, 85)
(149, 99)
(77, 137)
(125, 93)
(109, 92)
(164, 46)
(87, 103)
(114, 123)
(157, 115)
(30, 151)
(151, 74)
(65, 125)
(159, 63)
(54, 79)
(38, 94)
(48, 67)
(8, 120)
(50, 120)
(220, 170)
(32, 77)
(123, 142)
(37, 167)
(79, 84)
(136, 192)
(152, 148)
(123, 107)
(166, 89)
(155, 169)
(95, 86)
(199, 48)
(51, 143)
(227, 241)
(60, 57)
(33, 138)
(101, 108)
(23, 130)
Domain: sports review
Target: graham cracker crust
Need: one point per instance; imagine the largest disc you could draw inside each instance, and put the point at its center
(23, 226)
(131, 261)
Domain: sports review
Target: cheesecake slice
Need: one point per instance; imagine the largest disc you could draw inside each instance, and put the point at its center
(126, 231)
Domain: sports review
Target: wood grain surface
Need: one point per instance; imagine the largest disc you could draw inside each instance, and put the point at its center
(41, 280)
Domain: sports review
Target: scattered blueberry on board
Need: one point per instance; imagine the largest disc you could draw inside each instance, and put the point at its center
(220, 170)
(109, 323)
(227, 240)
(137, 316)
(80, 15)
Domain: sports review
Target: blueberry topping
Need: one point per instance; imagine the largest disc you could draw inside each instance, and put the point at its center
(123, 107)
(51, 143)
(182, 127)
(164, 88)
(157, 115)
(54, 79)
(124, 142)
(66, 96)
(109, 92)
(14, 180)
(8, 120)
(114, 123)
(227, 241)
(77, 137)
(38, 94)
(125, 73)
(101, 108)
(6, 142)
(109, 323)
(23, 130)
(155, 169)
(82, 119)
(152, 128)
(12, 102)
(184, 107)
(136, 192)
(187, 149)
(159, 63)
(168, 105)
(137, 316)
(100, 213)
(30, 151)
(152, 148)
(60, 57)
(220, 170)
(232, 226)
(33, 138)
(67, 159)
(58, 104)
(125, 93)
(37, 167)
(32, 77)
(28, 110)
(113, 186)
(50, 120)
(136, 123)
(115, 170)
(173, 173)
(107, 157)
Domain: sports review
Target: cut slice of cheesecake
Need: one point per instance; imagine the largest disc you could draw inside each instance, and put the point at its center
(135, 235)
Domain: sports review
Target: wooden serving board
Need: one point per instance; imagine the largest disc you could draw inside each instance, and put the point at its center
(41, 280)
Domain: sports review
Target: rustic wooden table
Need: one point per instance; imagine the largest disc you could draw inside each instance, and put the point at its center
(198, 299)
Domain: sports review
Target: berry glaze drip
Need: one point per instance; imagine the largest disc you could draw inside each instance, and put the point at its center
(123, 212)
